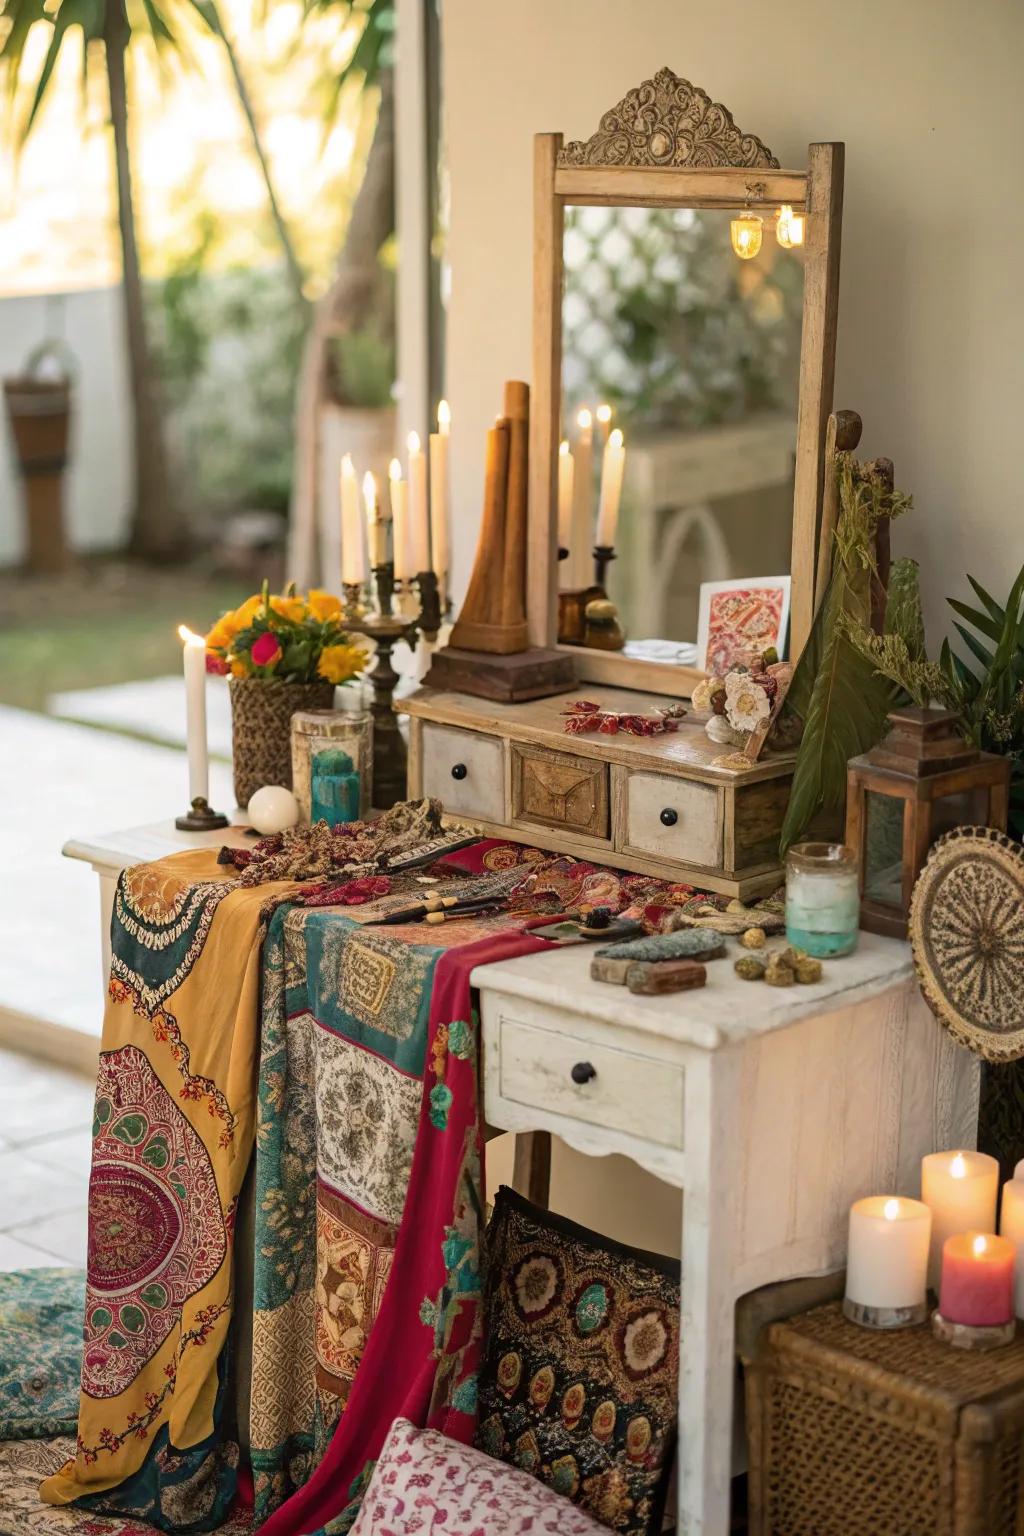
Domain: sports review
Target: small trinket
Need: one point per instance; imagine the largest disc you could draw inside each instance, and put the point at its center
(750, 967)
(597, 917)
(612, 971)
(737, 906)
(753, 938)
(808, 970)
(656, 977)
(778, 973)
(684, 944)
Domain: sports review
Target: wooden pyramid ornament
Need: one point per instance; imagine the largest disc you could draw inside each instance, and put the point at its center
(489, 653)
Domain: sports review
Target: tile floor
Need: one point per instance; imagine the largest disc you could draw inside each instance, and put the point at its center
(45, 1137)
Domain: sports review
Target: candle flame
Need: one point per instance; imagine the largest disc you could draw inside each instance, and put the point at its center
(189, 637)
(412, 442)
(958, 1168)
(604, 414)
(370, 490)
(394, 471)
(347, 467)
(615, 438)
(563, 448)
(891, 1210)
(979, 1245)
(444, 417)
(584, 419)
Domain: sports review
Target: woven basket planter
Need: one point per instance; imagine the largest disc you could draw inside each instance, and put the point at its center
(261, 718)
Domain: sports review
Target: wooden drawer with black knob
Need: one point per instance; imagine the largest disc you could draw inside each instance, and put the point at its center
(464, 770)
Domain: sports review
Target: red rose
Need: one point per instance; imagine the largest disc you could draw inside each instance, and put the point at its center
(216, 664)
(266, 650)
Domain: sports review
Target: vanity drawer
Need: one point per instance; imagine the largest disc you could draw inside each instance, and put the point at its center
(465, 771)
(559, 789)
(673, 819)
(599, 1084)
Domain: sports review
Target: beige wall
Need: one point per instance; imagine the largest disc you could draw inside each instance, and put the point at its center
(925, 94)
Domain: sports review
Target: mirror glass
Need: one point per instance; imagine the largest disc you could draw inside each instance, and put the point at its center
(697, 353)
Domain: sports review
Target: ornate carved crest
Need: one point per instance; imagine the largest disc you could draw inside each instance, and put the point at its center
(668, 122)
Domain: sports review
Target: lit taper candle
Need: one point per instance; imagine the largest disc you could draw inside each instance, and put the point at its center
(353, 559)
(612, 466)
(398, 495)
(582, 540)
(419, 509)
(195, 714)
(439, 489)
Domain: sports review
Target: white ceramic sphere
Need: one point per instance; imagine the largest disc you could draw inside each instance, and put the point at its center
(273, 809)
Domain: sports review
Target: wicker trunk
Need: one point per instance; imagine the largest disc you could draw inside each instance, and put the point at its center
(859, 1433)
(261, 717)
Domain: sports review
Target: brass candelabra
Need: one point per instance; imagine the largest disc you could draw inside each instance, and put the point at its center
(386, 628)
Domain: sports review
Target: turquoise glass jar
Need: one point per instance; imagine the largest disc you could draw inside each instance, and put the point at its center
(822, 899)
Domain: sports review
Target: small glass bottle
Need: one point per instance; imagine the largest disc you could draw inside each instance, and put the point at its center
(822, 899)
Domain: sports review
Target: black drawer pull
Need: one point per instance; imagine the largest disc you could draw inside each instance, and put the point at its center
(583, 1072)
(459, 771)
(669, 817)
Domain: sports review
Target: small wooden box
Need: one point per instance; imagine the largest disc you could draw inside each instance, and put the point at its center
(859, 1433)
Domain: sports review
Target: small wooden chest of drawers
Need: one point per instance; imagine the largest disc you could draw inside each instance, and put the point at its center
(656, 804)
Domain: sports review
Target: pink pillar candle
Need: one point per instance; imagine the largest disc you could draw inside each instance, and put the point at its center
(977, 1280)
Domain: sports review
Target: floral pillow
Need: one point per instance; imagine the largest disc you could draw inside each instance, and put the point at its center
(426, 1482)
(579, 1383)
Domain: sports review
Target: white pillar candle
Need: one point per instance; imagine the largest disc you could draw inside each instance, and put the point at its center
(398, 495)
(353, 559)
(961, 1188)
(439, 490)
(566, 468)
(581, 543)
(195, 714)
(612, 465)
(887, 1254)
(419, 510)
(1011, 1225)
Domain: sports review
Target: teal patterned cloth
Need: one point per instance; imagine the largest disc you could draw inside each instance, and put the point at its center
(40, 1352)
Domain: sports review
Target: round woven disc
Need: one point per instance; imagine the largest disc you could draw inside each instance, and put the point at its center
(967, 934)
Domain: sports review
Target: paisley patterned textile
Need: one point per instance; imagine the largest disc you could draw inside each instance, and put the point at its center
(172, 1134)
(41, 1360)
(579, 1384)
(427, 1482)
(23, 1465)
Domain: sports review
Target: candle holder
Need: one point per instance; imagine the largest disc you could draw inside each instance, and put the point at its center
(386, 628)
(200, 818)
(604, 554)
(352, 601)
(976, 1336)
(884, 1317)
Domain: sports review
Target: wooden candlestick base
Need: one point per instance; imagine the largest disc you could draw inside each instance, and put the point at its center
(968, 1336)
(533, 674)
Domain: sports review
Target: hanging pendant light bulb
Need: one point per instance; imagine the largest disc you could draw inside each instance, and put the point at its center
(789, 227)
(746, 231)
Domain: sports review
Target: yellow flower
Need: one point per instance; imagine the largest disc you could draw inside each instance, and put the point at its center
(222, 633)
(293, 609)
(239, 667)
(340, 662)
(250, 608)
(323, 605)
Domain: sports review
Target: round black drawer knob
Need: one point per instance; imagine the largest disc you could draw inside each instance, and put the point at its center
(669, 817)
(459, 770)
(583, 1072)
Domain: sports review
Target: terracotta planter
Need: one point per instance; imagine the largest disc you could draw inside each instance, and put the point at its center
(261, 720)
(39, 412)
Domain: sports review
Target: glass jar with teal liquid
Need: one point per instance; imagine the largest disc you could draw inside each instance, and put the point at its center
(822, 899)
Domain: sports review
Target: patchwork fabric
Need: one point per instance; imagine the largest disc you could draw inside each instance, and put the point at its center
(426, 1482)
(367, 1113)
(41, 1361)
(579, 1384)
(353, 1262)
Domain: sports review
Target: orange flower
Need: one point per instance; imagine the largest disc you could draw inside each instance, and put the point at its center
(292, 609)
(323, 605)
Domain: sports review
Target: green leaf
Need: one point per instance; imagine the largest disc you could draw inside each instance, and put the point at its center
(989, 602)
(975, 647)
(903, 613)
(981, 621)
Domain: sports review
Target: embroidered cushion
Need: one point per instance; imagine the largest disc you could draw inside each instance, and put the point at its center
(579, 1383)
(426, 1482)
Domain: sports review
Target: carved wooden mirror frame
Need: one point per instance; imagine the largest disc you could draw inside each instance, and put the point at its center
(668, 145)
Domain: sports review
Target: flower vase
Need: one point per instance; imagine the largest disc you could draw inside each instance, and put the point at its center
(261, 719)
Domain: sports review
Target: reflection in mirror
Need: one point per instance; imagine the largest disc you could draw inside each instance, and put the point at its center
(697, 353)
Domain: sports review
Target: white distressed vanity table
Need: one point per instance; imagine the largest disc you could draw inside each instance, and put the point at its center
(771, 1110)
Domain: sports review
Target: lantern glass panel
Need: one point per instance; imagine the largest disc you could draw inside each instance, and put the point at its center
(968, 808)
(883, 848)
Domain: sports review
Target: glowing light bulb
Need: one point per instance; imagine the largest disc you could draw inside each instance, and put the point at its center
(958, 1168)
(979, 1245)
(891, 1210)
(789, 227)
(746, 231)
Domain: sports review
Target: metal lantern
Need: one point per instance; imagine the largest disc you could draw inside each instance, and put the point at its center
(918, 783)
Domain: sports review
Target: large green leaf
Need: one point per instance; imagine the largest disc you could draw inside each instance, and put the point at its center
(845, 715)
